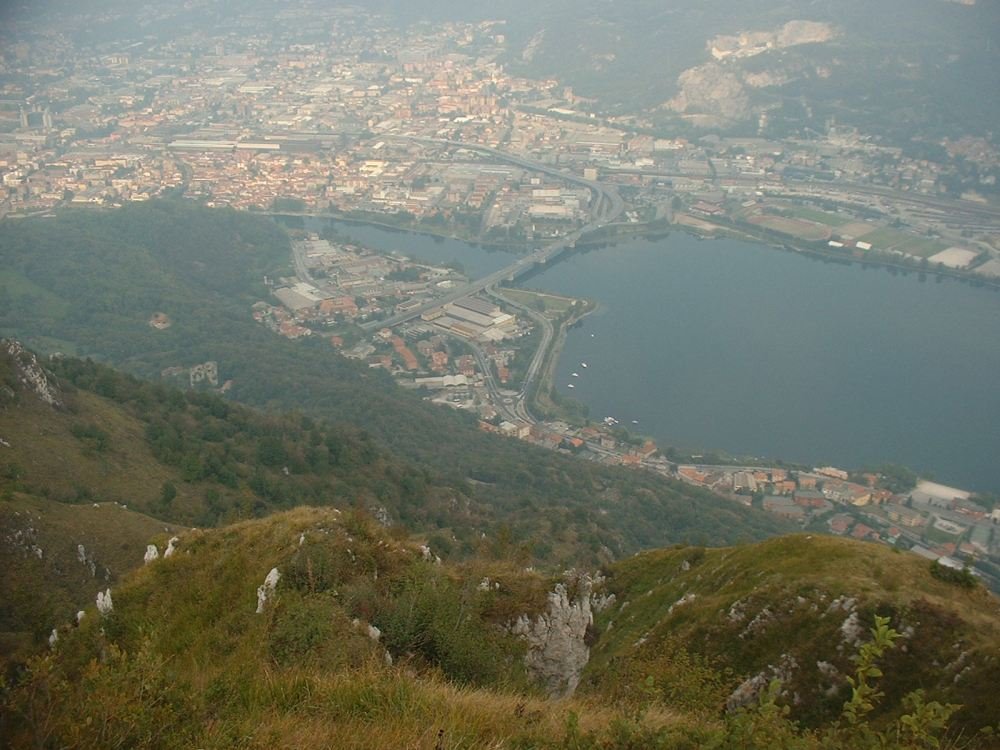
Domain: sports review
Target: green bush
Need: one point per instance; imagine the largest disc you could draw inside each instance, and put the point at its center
(963, 577)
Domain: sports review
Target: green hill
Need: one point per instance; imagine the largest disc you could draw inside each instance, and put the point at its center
(795, 607)
(365, 641)
(88, 282)
(89, 456)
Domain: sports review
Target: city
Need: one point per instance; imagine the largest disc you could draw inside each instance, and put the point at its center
(436, 136)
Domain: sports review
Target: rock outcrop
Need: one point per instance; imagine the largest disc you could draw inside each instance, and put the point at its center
(152, 553)
(31, 375)
(721, 89)
(171, 546)
(557, 649)
(748, 692)
(266, 590)
(711, 89)
(104, 604)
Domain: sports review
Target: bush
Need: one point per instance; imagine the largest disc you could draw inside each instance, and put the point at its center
(964, 577)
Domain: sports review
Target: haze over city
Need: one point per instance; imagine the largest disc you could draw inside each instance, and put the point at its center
(510, 289)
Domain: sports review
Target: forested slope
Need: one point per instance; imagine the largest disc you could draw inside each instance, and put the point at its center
(88, 282)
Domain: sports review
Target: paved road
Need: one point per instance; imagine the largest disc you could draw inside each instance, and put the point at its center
(301, 270)
(548, 335)
(608, 206)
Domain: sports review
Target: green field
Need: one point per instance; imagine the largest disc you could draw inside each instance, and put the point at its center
(554, 305)
(904, 242)
(815, 215)
(798, 228)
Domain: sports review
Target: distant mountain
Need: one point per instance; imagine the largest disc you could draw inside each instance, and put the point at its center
(918, 71)
(316, 628)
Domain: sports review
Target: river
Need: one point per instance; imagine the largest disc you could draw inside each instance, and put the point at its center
(731, 345)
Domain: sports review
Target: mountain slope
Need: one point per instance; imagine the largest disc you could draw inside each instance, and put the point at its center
(361, 640)
(86, 455)
(797, 608)
(204, 269)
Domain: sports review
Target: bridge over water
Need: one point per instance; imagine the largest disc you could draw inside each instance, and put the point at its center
(607, 206)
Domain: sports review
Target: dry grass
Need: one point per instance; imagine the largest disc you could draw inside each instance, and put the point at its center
(376, 708)
(51, 457)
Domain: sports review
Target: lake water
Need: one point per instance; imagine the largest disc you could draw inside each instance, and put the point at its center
(476, 260)
(735, 346)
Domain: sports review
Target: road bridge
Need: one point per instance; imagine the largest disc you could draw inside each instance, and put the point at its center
(607, 207)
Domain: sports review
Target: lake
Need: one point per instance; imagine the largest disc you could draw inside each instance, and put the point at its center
(723, 344)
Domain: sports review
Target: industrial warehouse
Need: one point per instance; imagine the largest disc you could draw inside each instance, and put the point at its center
(473, 319)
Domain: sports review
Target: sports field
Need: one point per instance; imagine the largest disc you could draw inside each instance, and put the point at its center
(797, 228)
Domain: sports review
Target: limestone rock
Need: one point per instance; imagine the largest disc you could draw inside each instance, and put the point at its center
(266, 590)
(171, 548)
(749, 690)
(152, 553)
(557, 652)
(711, 89)
(851, 629)
(104, 604)
(31, 375)
(86, 559)
(805, 32)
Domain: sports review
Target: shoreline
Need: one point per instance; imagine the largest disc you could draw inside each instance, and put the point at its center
(646, 232)
(543, 388)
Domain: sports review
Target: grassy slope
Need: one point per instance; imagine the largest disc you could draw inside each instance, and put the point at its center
(39, 593)
(79, 473)
(795, 580)
(187, 661)
(50, 457)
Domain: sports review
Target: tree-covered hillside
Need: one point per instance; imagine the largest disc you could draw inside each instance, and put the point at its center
(87, 283)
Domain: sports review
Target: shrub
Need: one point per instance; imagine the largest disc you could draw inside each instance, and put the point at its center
(964, 577)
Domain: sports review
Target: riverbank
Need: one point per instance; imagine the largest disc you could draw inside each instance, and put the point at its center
(652, 231)
(705, 290)
(514, 248)
(544, 398)
(782, 242)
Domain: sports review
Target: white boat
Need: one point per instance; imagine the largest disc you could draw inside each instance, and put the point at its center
(635, 421)
(576, 374)
(570, 385)
(583, 364)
